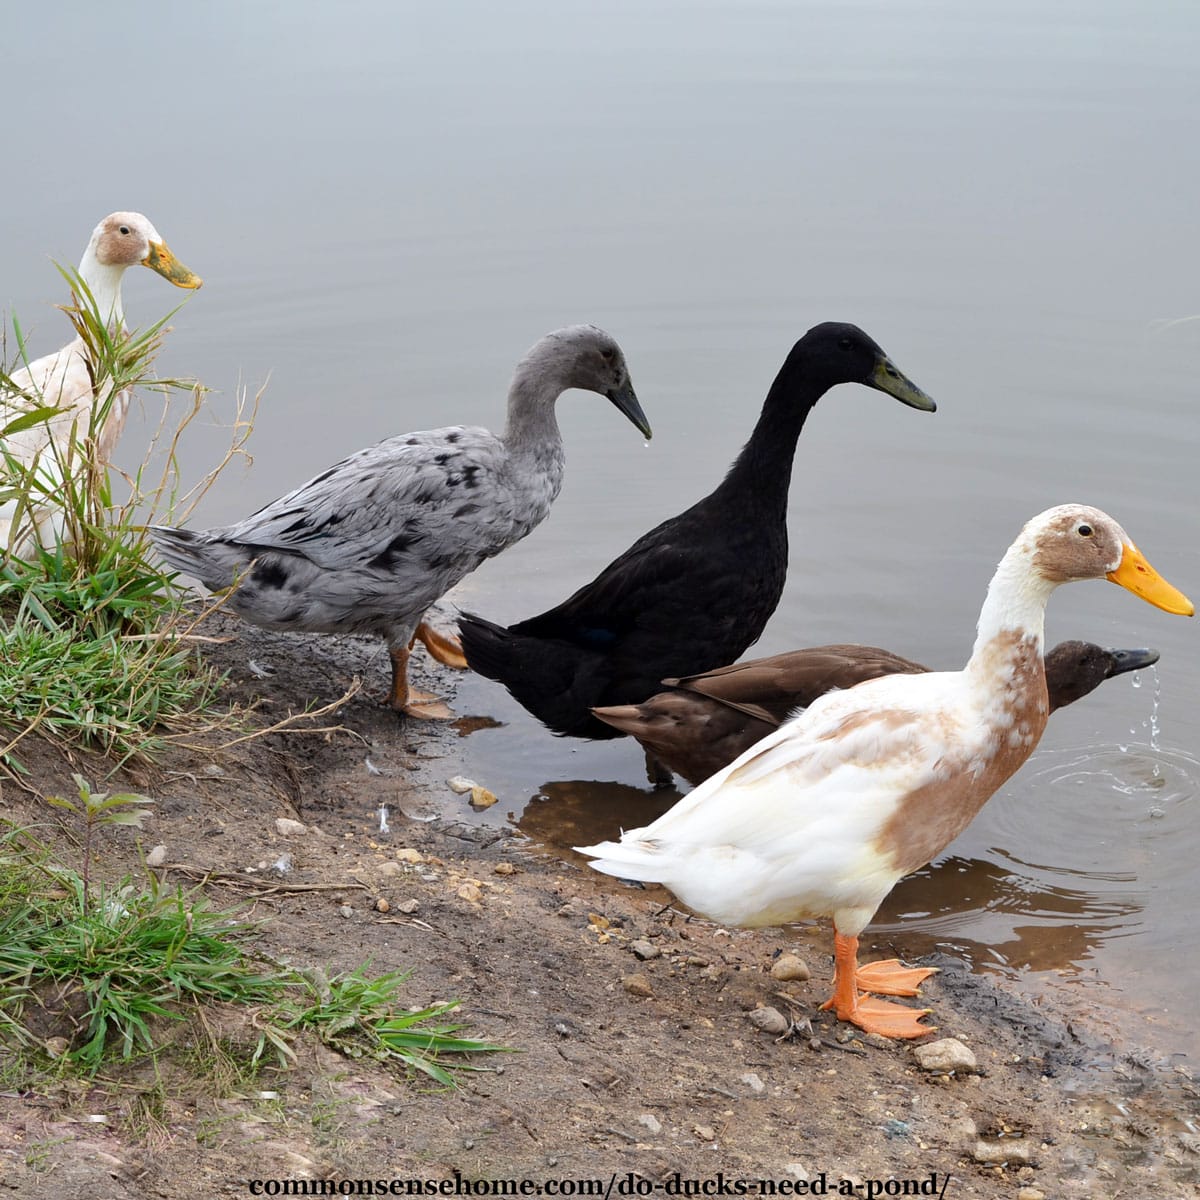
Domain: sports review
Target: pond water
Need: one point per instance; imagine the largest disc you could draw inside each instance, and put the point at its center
(391, 202)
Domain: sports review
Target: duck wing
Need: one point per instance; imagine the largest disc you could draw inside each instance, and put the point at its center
(773, 688)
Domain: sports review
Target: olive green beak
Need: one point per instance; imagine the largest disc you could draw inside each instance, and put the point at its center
(888, 379)
(625, 400)
(161, 259)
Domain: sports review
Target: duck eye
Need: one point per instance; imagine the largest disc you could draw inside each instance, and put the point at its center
(1084, 531)
(124, 229)
(606, 355)
(845, 343)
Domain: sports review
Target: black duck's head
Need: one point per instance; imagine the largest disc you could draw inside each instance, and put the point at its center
(1073, 669)
(584, 356)
(835, 352)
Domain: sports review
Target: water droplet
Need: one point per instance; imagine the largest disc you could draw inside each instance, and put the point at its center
(1157, 813)
(1136, 679)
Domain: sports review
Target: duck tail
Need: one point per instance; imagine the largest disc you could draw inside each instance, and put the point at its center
(628, 718)
(554, 680)
(626, 859)
(216, 563)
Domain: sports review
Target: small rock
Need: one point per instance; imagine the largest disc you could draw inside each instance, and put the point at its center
(788, 966)
(409, 855)
(695, 960)
(705, 1133)
(964, 1133)
(213, 771)
(391, 869)
(157, 856)
(1009, 1150)
(1031, 1193)
(381, 905)
(346, 911)
(56, 1047)
(470, 892)
(754, 1082)
(946, 1054)
(769, 1020)
(572, 908)
(644, 949)
(282, 865)
(504, 868)
(796, 1170)
(651, 1122)
(461, 784)
(637, 985)
(481, 798)
(286, 827)
(408, 907)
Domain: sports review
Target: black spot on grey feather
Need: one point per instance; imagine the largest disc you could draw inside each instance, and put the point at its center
(324, 475)
(426, 496)
(453, 479)
(452, 438)
(400, 545)
(297, 525)
(466, 509)
(442, 459)
(411, 442)
(270, 575)
(469, 473)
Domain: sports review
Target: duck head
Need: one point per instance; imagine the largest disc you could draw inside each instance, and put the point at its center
(836, 352)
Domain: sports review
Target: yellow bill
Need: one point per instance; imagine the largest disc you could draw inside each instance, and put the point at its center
(1135, 574)
(161, 259)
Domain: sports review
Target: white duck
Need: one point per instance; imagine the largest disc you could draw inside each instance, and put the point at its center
(369, 544)
(826, 814)
(63, 380)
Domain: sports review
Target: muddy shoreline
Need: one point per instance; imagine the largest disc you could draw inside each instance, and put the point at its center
(636, 1049)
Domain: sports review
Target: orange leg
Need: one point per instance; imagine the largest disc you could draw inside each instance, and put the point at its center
(447, 650)
(873, 1016)
(404, 700)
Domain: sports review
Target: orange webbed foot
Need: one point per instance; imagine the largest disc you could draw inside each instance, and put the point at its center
(891, 978)
(888, 1019)
(443, 647)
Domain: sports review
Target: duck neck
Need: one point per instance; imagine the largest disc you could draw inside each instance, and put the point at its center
(762, 473)
(532, 426)
(104, 282)
(1011, 631)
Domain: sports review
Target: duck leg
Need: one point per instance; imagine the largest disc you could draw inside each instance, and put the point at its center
(404, 699)
(869, 1014)
(443, 647)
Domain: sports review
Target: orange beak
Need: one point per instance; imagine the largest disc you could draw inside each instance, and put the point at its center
(1135, 574)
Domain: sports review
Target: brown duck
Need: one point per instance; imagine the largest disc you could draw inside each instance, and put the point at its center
(705, 721)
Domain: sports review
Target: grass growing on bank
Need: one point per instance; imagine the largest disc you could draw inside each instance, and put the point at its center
(92, 979)
(89, 652)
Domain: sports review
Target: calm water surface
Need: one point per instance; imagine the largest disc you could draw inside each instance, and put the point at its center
(390, 202)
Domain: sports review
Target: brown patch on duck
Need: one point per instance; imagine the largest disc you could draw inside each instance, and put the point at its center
(929, 818)
(1063, 553)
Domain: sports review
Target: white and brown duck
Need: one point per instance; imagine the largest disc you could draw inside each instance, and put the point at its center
(827, 813)
(64, 380)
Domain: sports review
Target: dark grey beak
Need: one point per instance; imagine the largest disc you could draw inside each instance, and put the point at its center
(887, 378)
(1130, 660)
(625, 400)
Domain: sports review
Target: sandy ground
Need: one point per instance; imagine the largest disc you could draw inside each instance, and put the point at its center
(638, 1063)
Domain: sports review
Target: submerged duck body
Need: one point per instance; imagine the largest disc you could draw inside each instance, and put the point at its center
(696, 591)
(63, 380)
(701, 723)
(369, 544)
(825, 814)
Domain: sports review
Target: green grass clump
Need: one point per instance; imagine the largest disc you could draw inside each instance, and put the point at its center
(106, 969)
(89, 653)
